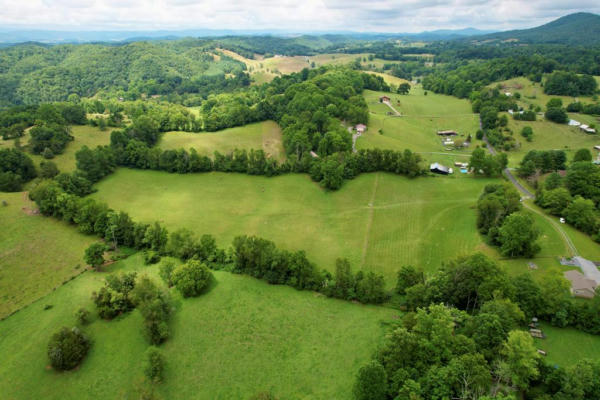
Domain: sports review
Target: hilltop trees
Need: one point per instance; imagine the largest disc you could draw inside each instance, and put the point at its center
(517, 236)
(570, 84)
(16, 167)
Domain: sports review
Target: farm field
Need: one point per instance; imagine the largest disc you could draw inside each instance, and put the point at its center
(84, 135)
(533, 93)
(375, 221)
(550, 136)
(378, 221)
(36, 253)
(241, 338)
(421, 117)
(262, 135)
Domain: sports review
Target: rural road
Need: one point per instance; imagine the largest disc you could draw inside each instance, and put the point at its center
(528, 195)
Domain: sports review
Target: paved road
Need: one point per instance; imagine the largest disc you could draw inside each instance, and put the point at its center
(589, 269)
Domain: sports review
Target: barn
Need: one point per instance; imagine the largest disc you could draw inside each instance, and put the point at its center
(437, 168)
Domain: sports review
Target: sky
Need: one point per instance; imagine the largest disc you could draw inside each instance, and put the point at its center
(288, 15)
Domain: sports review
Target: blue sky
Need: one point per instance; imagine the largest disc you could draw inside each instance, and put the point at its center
(290, 15)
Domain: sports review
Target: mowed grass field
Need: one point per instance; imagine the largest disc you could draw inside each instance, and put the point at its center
(241, 338)
(85, 135)
(421, 117)
(550, 136)
(261, 135)
(36, 253)
(378, 221)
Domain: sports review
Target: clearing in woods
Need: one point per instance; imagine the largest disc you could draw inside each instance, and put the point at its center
(84, 135)
(261, 135)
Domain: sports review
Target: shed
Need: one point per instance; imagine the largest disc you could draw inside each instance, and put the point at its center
(360, 128)
(437, 168)
(384, 99)
(572, 122)
(447, 133)
(597, 148)
(580, 285)
(587, 129)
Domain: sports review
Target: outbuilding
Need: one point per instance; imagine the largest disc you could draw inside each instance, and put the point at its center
(447, 133)
(384, 99)
(437, 168)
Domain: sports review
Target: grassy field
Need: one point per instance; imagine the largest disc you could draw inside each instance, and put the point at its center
(550, 136)
(36, 253)
(533, 93)
(566, 346)
(262, 135)
(421, 117)
(85, 135)
(378, 221)
(241, 338)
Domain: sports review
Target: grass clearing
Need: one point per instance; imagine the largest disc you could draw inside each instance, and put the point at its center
(566, 346)
(422, 116)
(36, 253)
(241, 338)
(84, 135)
(549, 136)
(261, 135)
(377, 221)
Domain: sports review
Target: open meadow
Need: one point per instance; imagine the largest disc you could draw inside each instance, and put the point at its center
(242, 338)
(261, 135)
(421, 116)
(36, 253)
(84, 135)
(548, 135)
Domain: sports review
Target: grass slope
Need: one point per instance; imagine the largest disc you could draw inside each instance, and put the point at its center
(566, 346)
(36, 253)
(84, 135)
(262, 135)
(241, 338)
(422, 116)
(377, 221)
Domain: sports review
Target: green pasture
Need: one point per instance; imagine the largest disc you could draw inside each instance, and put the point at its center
(378, 221)
(261, 135)
(84, 135)
(421, 117)
(550, 136)
(242, 338)
(36, 253)
(533, 93)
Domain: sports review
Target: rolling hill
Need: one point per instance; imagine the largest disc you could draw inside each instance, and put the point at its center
(577, 29)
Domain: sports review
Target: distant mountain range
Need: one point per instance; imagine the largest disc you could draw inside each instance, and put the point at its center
(54, 37)
(576, 29)
(579, 28)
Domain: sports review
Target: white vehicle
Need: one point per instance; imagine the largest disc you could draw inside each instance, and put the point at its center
(562, 220)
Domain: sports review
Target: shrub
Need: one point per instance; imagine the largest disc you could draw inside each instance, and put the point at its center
(94, 255)
(191, 278)
(67, 348)
(48, 153)
(154, 365)
(151, 257)
(557, 115)
(166, 272)
(83, 316)
(154, 306)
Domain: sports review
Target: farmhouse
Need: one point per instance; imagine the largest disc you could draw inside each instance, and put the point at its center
(384, 99)
(580, 285)
(437, 168)
(360, 128)
(447, 133)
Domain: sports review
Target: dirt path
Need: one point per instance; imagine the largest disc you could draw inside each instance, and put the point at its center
(369, 221)
(387, 103)
(570, 245)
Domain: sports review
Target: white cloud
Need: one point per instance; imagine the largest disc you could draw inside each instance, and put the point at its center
(290, 15)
